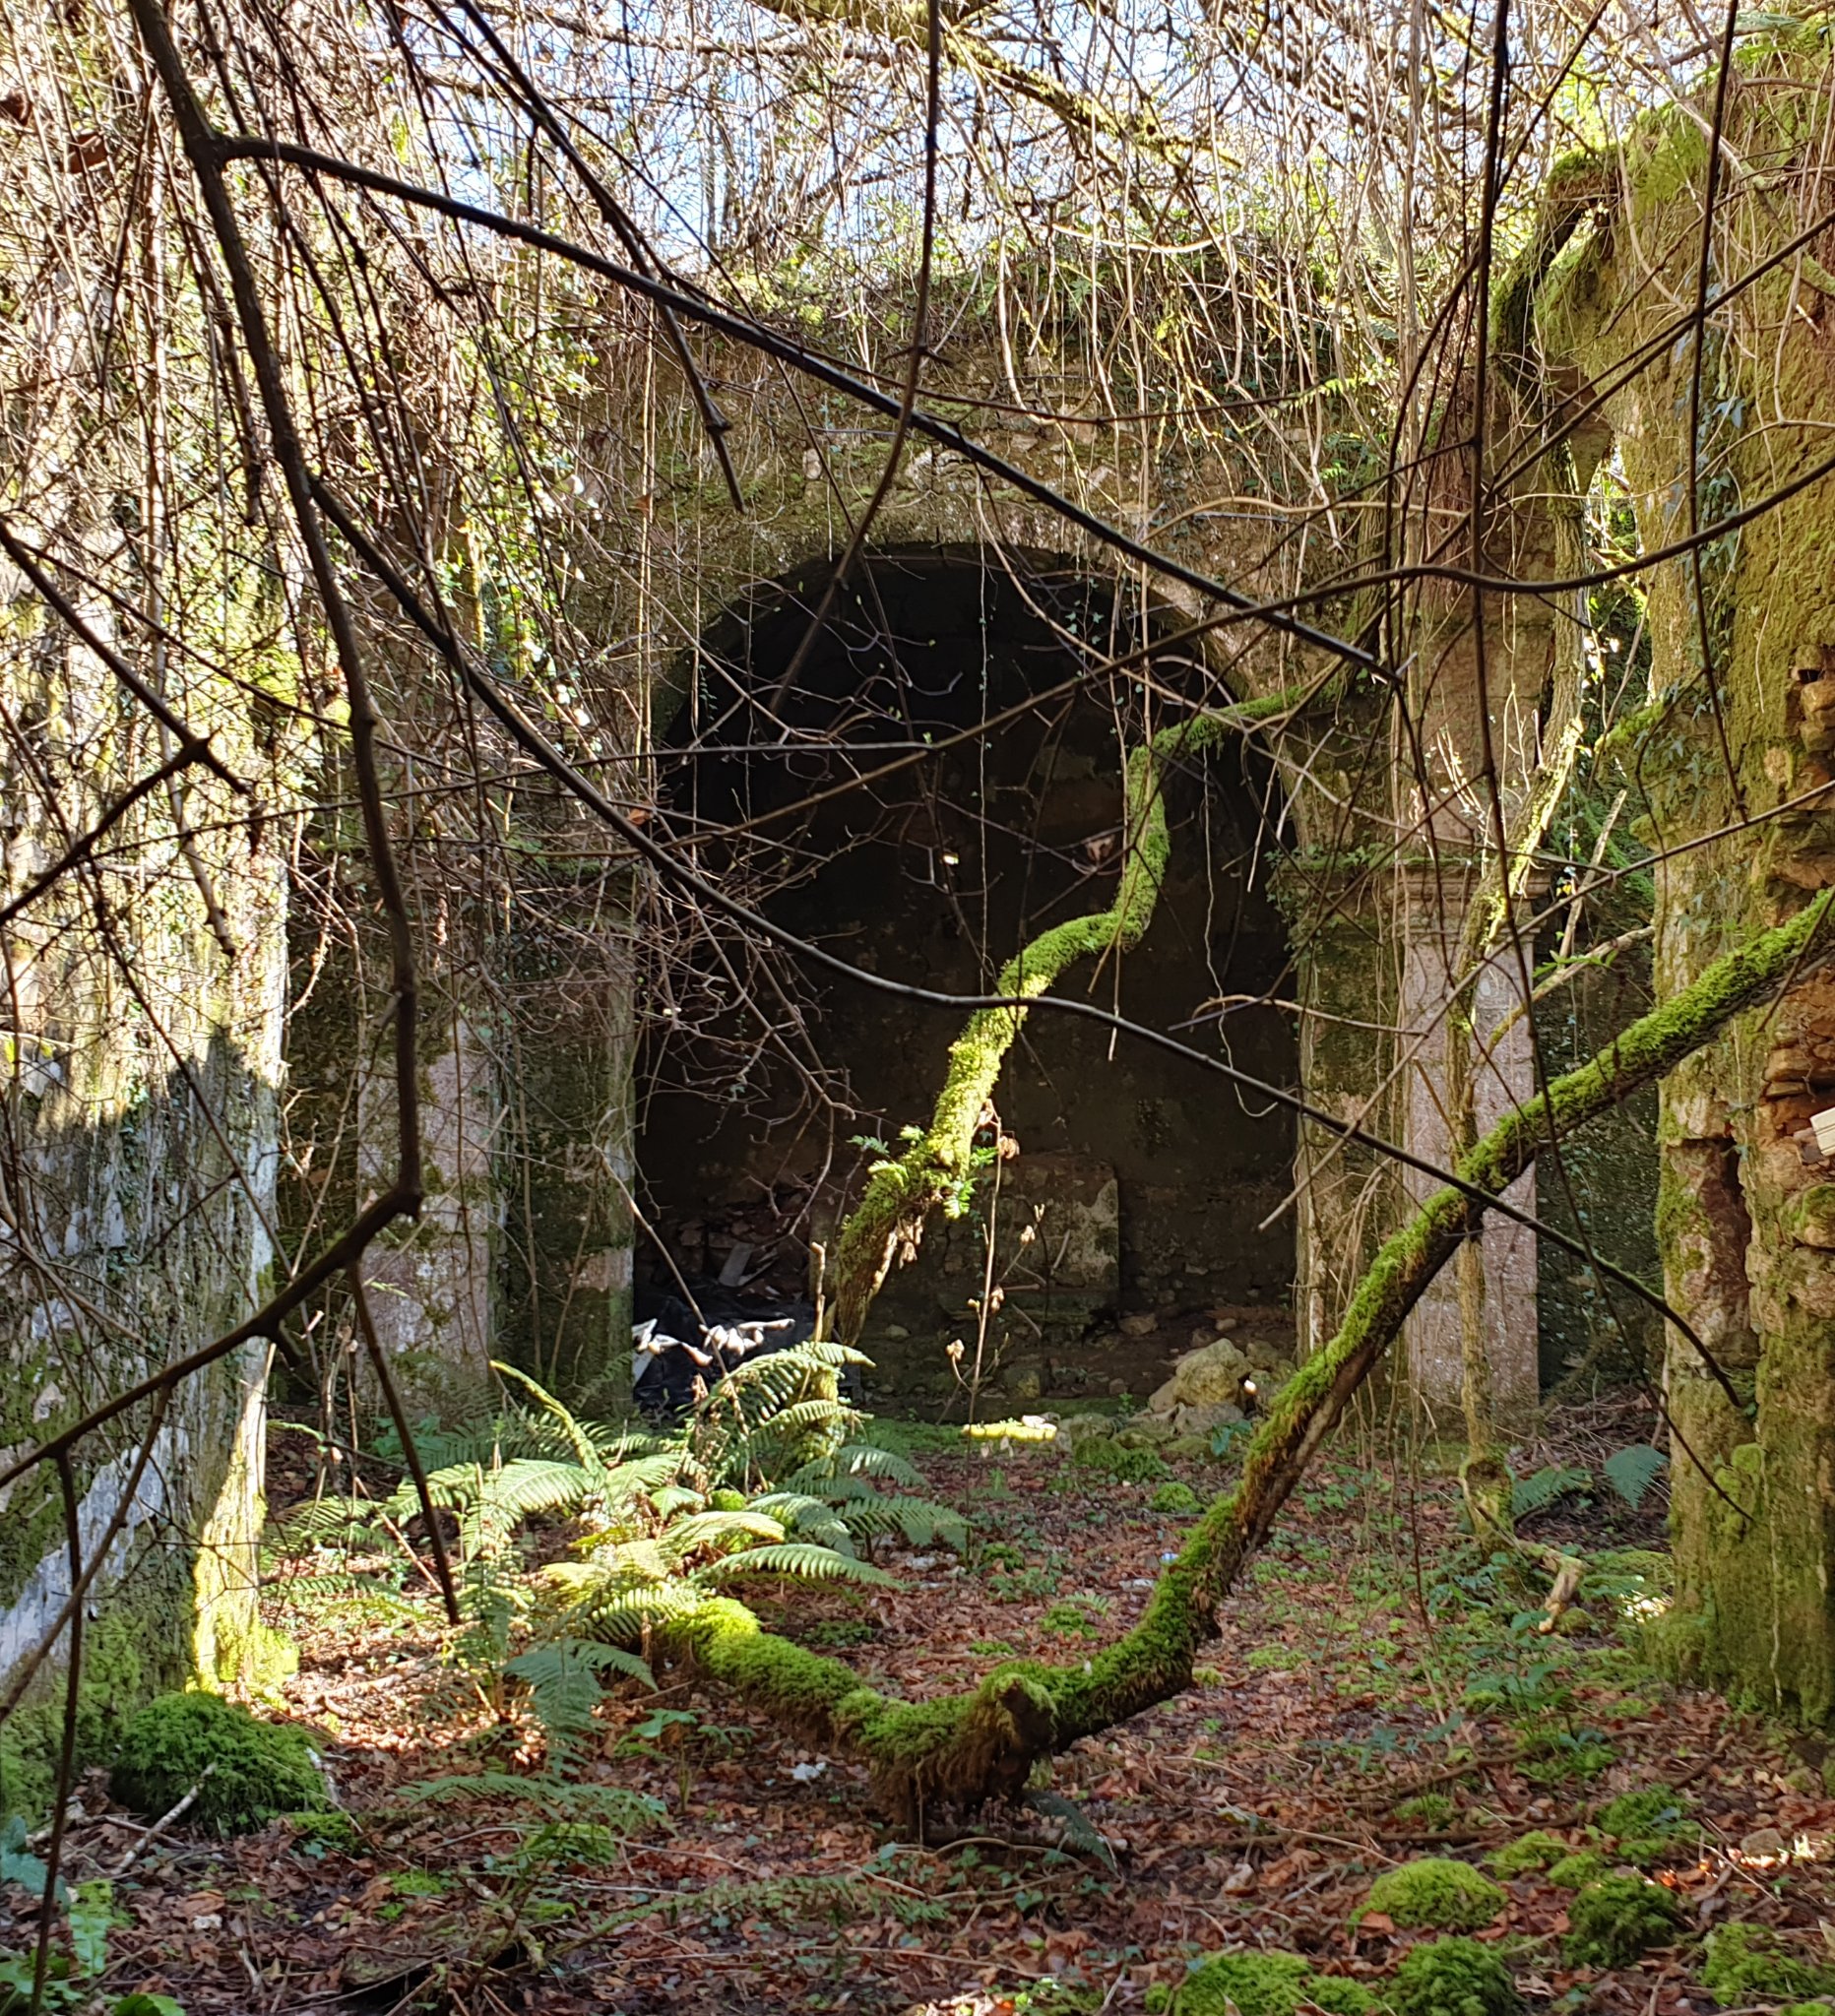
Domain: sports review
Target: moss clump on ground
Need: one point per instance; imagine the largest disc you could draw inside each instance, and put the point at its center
(1266, 1985)
(1125, 1466)
(1538, 1849)
(1453, 1977)
(1617, 1919)
(1428, 1809)
(246, 1771)
(1654, 1814)
(1576, 1871)
(1436, 1894)
(1176, 1498)
(1748, 1963)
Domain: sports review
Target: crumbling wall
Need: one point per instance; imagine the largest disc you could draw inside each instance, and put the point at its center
(1731, 745)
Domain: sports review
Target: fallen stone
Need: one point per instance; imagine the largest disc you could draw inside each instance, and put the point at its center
(1206, 1419)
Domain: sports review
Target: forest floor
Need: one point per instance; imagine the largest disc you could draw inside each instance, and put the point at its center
(1378, 1692)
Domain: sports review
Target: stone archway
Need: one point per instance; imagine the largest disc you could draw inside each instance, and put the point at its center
(1127, 1205)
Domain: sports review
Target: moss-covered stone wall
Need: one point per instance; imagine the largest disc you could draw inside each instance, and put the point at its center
(139, 1144)
(1731, 743)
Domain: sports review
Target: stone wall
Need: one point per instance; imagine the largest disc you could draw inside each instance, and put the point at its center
(139, 1144)
(1732, 744)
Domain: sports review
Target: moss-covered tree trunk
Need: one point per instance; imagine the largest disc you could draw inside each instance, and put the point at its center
(1736, 739)
(972, 1746)
(937, 1171)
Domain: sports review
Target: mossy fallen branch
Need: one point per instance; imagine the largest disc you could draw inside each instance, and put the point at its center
(969, 1747)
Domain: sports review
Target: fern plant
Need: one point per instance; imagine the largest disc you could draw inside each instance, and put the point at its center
(771, 1475)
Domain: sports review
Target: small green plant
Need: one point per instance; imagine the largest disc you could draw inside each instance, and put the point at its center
(1176, 1499)
(1432, 1810)
(1654, 1813)
(1617, 1919)
(244, 1771)
(1632, 1472)
(1436, 1894)
(1265, 1985)
(1070, 1620)
(316, 1835)
(1225, 1436)
(1124, 1466)
(1536, 1494)
(90, 1916)
(1748, 1963)
(1025, 1586)
(1453, 1977)
(1538, 1850)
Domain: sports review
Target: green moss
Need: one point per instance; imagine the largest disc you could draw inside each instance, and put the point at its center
(1438, 1894)
(1453, 1977)
(1655, 1811)
(1748, 1963)
(1266, 1985)
(1176, 1498)
(1538, 1849)
(128, 1654)
(1617, 1919)
(333, 1830)
(1125, 1466)
(1576, 1871)
(248, 1771)
(1428, 1810)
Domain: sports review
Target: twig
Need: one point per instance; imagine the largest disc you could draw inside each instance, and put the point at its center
(149, 1834)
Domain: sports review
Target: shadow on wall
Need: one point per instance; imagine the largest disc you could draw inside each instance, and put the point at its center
(1124, 1182)
(144, 1235)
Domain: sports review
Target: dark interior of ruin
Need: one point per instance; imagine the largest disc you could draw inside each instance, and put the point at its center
(1127, 1193)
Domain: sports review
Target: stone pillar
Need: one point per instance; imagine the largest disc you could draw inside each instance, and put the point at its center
(1346, 1196)
(1433, 906)
(431, 1282)
(569, 1139)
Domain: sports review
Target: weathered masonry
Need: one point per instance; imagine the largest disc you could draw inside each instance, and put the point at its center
(574, 1148)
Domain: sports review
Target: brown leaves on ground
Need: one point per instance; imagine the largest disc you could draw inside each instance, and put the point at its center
(1366, 1661)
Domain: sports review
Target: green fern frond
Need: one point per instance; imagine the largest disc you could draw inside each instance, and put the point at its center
(685, 1537)
(564, 1677)
(809, 1518)
(919, 1521)
(581, 1443)
(674, 1498)
(622, 1613)
(863, 1459)
(330, 1522)
(556, 1798)
(798, 1558)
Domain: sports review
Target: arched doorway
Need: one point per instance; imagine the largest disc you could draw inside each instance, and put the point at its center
(1125, 1206)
